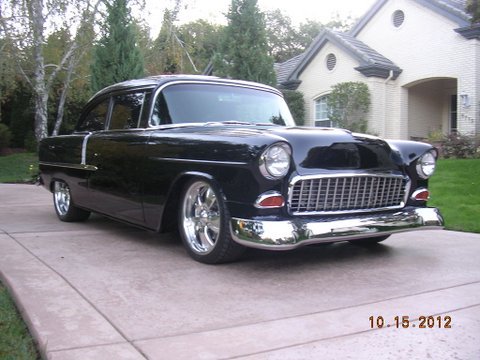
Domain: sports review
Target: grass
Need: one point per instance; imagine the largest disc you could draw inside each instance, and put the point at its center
(455, 190)
(15, 340)
(18, 168)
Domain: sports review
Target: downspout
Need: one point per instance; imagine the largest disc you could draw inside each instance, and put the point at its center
(385, 84)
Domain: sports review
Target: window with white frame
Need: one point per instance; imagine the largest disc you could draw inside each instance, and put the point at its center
(321, 112)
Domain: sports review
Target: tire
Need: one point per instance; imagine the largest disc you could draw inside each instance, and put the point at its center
(64, 206)
(369, 242)
(204, 224)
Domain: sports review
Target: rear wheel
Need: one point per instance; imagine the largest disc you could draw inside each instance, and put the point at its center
(204, 224)
(64, 206)
(367, 242)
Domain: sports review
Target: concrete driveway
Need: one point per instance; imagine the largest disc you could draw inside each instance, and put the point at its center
(104, 290)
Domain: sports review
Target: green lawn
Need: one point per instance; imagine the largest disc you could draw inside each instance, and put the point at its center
(455, 189)
(20, 167)
(15, 340)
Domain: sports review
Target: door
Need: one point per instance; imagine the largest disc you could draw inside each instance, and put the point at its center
(118, 155)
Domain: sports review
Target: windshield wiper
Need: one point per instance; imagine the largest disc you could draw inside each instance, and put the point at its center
(236, 122)
(267, 124)
(228, 122)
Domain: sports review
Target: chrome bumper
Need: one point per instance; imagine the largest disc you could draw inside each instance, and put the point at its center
(292, 233)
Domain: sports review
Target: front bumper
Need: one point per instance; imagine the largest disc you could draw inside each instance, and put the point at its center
(295, 232)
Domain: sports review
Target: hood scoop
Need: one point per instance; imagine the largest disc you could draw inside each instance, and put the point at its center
(349, 156)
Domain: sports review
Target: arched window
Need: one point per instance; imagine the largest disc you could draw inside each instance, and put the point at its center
(321, 112)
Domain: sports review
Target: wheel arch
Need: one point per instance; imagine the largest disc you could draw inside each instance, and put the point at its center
(169, 219)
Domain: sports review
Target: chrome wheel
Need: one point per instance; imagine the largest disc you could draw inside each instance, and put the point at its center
(61, 195)
(64, 204)
(201, 217)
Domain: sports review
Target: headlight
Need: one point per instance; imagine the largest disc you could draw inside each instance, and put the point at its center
(275, 161)
(426, 165)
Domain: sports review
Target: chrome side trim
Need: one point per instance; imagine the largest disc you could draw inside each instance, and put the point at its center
(84, 148)
(298, 178)
(209, 162)
(295, 232)
(69, 166)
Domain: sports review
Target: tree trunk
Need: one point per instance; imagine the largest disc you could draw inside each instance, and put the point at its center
(63, 97)
(35, 8)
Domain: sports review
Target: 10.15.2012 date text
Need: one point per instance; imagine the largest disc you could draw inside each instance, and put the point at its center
(424, 322)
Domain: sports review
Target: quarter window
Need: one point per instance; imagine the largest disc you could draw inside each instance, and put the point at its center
(95, 118)
(322, 112)
(126, 110)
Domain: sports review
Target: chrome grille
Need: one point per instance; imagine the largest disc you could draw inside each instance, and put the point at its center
(356, 193)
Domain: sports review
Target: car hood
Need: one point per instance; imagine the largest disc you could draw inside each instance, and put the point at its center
(313, 149)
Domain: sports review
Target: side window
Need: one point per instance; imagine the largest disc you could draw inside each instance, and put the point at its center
(95, 119)
(160, 113)
(126, 110)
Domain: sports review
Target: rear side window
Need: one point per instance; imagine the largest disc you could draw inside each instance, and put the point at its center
(126, 111)
(95, 118)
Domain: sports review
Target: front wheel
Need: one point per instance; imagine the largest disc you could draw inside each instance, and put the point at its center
(64, 206)
(368, 242)
(204, 224)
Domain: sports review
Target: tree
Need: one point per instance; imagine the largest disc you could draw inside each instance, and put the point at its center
(116, 56)
(473, 9)
(201, 40)
(281, 36)
(167, 51)
(286, 41)
(349, 103)
(296, 104)
(25, 25)
(8, 79)
(244, 52)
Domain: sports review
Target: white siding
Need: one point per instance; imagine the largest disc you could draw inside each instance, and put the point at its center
(427, 47)
(317, 80)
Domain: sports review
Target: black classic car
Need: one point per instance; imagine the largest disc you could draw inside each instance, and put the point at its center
(223, 161)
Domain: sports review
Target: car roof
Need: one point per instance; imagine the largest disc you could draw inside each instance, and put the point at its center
(159, 80)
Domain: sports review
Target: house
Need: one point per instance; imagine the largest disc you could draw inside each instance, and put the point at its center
(419, 58)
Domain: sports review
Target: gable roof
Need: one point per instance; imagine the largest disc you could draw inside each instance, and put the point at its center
(371, 62)
(451, 9)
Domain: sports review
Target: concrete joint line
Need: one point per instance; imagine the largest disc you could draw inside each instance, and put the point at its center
(120, 332)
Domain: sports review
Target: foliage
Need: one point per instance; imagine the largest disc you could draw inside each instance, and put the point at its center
(167, 48)
(21, 167)
(15, 342)
(5, 136)
(26, 27)
(244, 52)
(286, 41)
(18, 113)
(348, 104)
(281, 36)
(116, 56)
(459, 146)
(201, 41)
(454, 189)
(473, 9)
(296, 103)
(8, 79)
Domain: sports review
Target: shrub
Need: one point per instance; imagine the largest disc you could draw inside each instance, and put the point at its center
(459, 146)
(5, 136)
(295, 102)
(349, 103)
(30, 142)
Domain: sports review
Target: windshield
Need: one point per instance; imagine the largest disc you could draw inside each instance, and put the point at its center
(205, 103)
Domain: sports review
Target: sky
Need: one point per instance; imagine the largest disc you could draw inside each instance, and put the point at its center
(298, 10)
